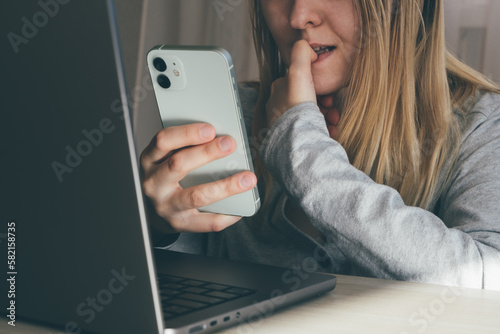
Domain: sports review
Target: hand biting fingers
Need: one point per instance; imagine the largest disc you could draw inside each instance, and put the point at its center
(300, 79)
(302, 56)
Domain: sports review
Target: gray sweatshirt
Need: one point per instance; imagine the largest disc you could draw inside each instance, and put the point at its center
(367, 229)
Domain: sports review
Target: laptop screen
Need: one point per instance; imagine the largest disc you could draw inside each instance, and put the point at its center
(68, 187)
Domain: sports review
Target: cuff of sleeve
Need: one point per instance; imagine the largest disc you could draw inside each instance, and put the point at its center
(168, 241)
(282, 126)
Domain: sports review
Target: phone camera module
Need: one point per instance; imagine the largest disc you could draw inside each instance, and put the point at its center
(160, 64)
(163, 81)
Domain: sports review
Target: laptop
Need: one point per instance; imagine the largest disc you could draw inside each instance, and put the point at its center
(73, 233)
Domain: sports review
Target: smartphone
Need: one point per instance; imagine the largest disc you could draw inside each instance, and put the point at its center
(195, 84)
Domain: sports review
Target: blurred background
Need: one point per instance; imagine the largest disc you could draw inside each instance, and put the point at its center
(472, 34)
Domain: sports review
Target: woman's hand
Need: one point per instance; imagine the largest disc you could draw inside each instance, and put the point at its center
(173, 153)
(327, 107)
(297, 86)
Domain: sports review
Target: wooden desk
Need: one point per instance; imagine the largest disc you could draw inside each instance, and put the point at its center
(365, 305)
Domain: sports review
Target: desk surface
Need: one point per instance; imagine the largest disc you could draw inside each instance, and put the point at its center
(365, 305)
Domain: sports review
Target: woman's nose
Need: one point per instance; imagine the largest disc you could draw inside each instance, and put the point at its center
(305, 14)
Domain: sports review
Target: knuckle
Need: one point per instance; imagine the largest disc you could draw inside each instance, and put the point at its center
(217, 225)
(142, 160)
(276, 83)
(163, 207)
(211, 151)
(221, 188)
(197, 199)
(159, 208)
(161, 139)
(148, 187)
(176, 162)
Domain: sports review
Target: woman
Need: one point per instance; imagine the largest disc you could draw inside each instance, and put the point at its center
(379, 151)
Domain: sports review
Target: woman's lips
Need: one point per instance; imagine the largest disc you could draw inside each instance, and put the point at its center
(323, 51)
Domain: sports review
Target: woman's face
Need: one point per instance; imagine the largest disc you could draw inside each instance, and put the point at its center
(329, 26)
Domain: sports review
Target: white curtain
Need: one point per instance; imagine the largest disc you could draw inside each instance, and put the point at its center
(473, 33)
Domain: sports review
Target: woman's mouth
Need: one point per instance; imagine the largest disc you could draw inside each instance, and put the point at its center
(323, 49)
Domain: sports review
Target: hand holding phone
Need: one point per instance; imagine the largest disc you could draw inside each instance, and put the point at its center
(166, 160)
(196, 85)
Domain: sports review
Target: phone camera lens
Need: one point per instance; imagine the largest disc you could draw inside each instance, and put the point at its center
(163, 81)
(159, 64)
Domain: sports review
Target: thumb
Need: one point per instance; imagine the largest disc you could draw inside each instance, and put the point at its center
(300, 80)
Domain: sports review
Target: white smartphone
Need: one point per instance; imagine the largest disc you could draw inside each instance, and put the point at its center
(197, 84)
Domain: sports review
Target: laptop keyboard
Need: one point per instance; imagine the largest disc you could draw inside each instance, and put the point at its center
(180, 296)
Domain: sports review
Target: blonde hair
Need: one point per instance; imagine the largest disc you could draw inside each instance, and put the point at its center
(398, 123)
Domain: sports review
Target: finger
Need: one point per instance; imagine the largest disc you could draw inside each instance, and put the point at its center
(302, 55)
(333, 117)
(301, 85)
(205, 194)
(174, 138)
(333, 131)
(182, 162)
(325, 101)
(202, 222)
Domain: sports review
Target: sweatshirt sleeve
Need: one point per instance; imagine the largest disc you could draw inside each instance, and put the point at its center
(369, 222)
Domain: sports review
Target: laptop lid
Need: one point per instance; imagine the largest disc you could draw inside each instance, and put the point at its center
(70, 198)
(72, 219)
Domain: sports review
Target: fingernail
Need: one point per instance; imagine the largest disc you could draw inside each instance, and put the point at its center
(246, 182)
(206, 132)
(226, 144)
